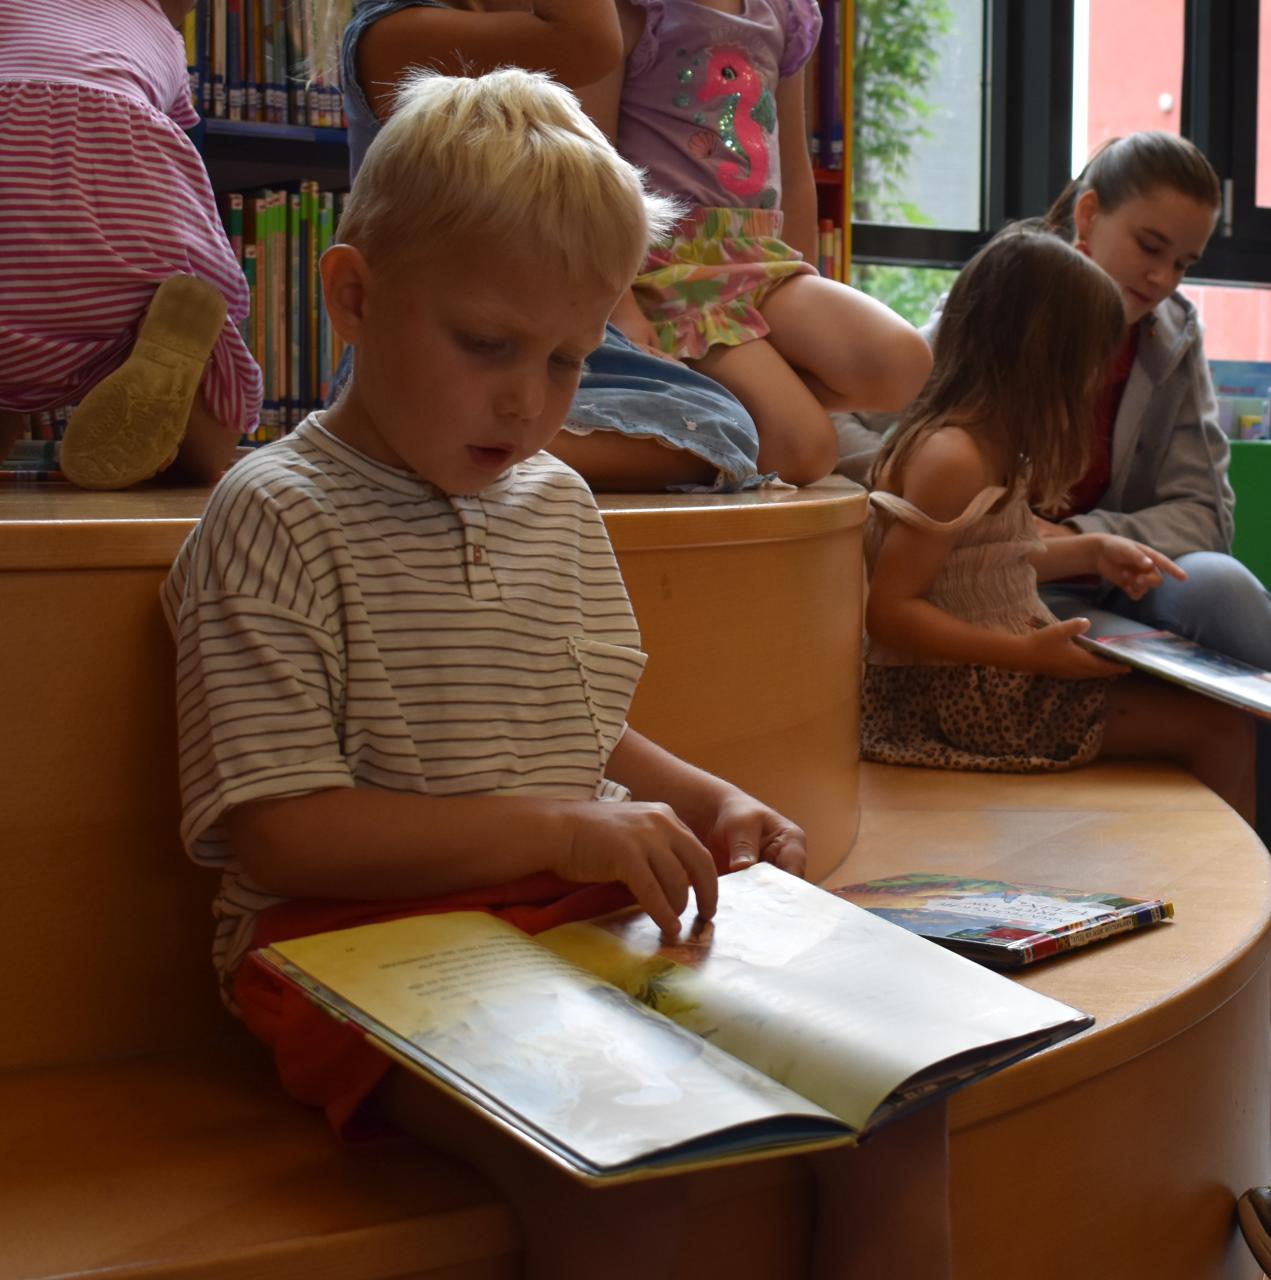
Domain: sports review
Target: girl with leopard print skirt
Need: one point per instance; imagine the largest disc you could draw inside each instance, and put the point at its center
(965, 666)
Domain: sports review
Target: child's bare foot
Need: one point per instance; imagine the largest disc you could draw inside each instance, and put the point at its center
(132, 422)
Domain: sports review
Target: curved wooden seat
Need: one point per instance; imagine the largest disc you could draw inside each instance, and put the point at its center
(144, 1133)
(750, 610)
(1117, 1153)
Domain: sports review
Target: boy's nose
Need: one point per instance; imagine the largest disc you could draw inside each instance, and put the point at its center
(520, 396)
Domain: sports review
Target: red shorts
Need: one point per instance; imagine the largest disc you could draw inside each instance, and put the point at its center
(329, 1064)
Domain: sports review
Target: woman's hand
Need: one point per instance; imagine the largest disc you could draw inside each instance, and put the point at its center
(1053, 651)
(1133, 567)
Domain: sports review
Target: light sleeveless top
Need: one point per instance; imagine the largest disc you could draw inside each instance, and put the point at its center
(987, 579)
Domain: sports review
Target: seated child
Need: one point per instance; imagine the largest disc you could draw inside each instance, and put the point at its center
(121, 292)
(405, 652)
(966, 667)
(710, 100)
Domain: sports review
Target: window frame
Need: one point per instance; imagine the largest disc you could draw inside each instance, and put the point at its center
(1026, 134)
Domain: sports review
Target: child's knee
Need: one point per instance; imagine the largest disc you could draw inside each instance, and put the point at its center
(805, 450)
(904, 370)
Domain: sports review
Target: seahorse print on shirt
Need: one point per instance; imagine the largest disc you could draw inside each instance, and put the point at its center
(747, 117)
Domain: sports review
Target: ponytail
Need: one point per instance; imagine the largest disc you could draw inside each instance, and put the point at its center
(1123, 168)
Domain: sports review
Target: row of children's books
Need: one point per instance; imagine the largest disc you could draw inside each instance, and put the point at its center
(279, 236)
(252, 60)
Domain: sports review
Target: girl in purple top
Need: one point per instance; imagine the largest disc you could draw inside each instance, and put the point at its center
(710, 102)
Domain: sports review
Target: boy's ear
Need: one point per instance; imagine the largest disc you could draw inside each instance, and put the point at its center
(345, 276)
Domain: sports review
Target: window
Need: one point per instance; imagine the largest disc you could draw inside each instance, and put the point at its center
(1113, 93)
(969, 113)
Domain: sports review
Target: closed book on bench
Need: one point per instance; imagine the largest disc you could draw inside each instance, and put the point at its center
(999, 923)
(793, 1020)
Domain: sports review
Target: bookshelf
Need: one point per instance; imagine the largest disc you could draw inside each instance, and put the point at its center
(829, 115)
(263, 129)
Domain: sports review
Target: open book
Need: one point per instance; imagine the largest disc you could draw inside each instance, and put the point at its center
(792, 1020)
(1171, 657)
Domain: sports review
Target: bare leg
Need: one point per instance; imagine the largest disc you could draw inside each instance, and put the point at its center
(1151, 720)
(613, 463)
(749, 1221)
(12, 429)
(861, 354)
(883, 1208)
(206, 451)
(796, 437)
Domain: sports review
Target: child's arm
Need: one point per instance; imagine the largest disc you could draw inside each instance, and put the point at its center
(576, 41)
(941, 478)
(798, 185)
(1129, 565)
(363, 842)
(734, 826)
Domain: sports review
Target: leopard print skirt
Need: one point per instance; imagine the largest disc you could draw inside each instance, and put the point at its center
(980, 718)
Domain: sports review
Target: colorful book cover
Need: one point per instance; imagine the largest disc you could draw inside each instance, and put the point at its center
(998, 923)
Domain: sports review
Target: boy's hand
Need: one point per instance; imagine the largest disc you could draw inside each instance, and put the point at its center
(746, 831)
(1132, 566)
(647, 848)
(1053, 651)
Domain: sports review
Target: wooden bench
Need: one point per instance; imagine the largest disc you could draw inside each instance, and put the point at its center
(1118, 1153)
(144, 1135)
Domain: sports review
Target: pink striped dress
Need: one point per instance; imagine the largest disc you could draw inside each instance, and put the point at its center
(102, 197)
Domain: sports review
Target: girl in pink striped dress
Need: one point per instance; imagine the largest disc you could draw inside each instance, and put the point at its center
(119, 291)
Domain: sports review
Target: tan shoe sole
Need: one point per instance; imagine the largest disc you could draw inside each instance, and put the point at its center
(132, 422)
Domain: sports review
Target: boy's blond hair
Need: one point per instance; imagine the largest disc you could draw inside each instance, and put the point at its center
(504, 160)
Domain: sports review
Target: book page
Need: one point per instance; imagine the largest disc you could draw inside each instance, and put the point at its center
(510, 1024)
(819, 994)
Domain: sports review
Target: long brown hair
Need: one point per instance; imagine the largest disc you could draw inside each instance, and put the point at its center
(1027, 329)
(1136, 165)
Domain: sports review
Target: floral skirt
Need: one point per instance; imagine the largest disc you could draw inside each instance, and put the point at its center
(705, 284)
(980, 718)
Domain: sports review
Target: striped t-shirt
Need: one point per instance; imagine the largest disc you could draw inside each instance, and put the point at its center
(343, 623)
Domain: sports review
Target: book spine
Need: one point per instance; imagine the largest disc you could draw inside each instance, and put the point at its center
(295, 311)
(190, 35)
(278, 320)
(313, 291)
(1080, 936)
(234, 223)
(204, 33)
(234, 59)
(253, 62)
(219, 105)
(296, 64)
(326, 366)
(828, 107)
